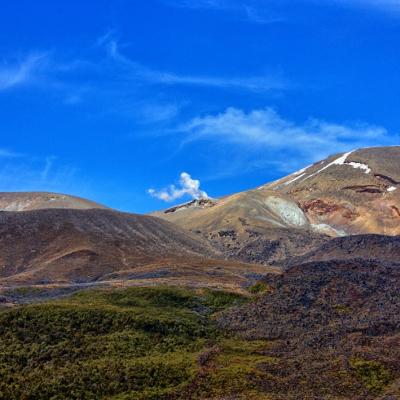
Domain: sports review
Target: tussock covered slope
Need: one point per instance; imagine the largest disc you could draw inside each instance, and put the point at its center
(81, 247)
(86, 245)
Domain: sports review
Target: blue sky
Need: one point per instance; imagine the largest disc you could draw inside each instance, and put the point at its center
(107, 99)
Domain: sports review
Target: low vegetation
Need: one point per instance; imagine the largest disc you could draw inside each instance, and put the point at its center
(259, 287)
(168, 343)
(373, 374)
(139, 343)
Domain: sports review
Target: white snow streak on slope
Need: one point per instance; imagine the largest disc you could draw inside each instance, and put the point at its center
(293, 180)
(339, 161)
(361, 166)
(342, 161)
(392, 189)
(300, 171)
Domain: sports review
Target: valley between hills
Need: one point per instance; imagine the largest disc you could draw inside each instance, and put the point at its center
(285, 291)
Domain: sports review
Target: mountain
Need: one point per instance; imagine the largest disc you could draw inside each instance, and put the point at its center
(55, 238)
(254, 226)
(25, 201)
(355, 192)
(346, 194)
(66, 246)
(313, 259)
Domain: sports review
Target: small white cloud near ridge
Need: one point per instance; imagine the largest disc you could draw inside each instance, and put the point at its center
(187, 187)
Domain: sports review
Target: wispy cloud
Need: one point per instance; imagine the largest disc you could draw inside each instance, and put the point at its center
(251, 11)
(144, 74)
(5, 153)
(47, 167)
(276, 139)
(27, 173)
(187, 187)
(109, 78)
(20, 73)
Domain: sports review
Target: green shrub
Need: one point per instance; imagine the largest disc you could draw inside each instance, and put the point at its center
(372, 374)
(259, 287)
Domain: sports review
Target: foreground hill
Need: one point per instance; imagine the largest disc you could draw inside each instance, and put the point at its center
(352, 193)
(82, 246)
(334, 331)
(331, 333)
(26, 201)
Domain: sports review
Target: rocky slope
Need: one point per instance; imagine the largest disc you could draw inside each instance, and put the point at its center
(360, 247)
(356, 192)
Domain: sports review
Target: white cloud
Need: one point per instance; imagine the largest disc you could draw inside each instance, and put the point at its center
(19, 73)
(265, 130)
(187, 187)
(114, 78)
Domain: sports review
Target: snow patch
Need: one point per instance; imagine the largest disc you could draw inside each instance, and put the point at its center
(300, 171)
(342, 161)
(392, 189)
(339, 161)
(360, 166)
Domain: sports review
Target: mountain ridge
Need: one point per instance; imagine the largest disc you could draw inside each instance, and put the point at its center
(27, 201)
(288, 220)
(351, 193)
